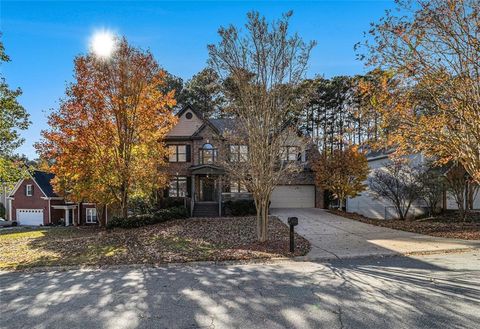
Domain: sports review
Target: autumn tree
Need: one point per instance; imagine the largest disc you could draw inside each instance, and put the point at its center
(342, 172)
(398, 183)
(263, 67)
(431, 47)
(432, 181)
(456, 183)
(13, 118)
(106, 138)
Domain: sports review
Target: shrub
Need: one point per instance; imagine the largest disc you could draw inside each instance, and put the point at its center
(241, 207)
(159, 216)
(171, 202)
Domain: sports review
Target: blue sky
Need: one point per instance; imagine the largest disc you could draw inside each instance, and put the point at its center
(42, 38)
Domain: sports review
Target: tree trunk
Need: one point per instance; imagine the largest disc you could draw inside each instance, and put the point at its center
(124, 202)
(262, 219)
(100, 211)
(341, 201)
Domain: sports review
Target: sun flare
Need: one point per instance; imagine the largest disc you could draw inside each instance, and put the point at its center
(103, 43)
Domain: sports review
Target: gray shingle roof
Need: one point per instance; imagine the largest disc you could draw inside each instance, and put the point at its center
(223, 124)
(43, 180)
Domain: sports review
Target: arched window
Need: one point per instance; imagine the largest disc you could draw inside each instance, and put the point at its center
(208, 154)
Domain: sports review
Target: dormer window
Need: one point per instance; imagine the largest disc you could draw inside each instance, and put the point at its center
(208, 154)
(29, 190)
(290, 153)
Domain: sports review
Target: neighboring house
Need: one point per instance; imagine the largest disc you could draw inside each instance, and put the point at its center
(197, 150)
(368, 205)
(34, 202)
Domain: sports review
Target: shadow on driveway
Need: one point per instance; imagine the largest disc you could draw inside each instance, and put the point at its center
(335, 237)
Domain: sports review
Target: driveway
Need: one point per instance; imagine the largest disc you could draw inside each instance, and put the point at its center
(333, 236)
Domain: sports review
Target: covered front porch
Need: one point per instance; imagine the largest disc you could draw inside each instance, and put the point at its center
(69, 213)
(206, 190)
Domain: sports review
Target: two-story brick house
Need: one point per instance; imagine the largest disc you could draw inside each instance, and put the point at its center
(34, 202)
(196, 150)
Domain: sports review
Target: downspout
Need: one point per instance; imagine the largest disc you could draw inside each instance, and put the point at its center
(49, 212)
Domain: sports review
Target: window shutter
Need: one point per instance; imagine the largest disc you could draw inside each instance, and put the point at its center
(189, 153)
(25, 190)
(189, 187)
(165, 192)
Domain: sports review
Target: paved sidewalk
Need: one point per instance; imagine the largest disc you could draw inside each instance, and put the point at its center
(333, 236)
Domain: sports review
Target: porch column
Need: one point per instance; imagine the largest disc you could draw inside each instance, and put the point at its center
(220, 185)
(9, 209)
(192, 199)
(67, 217)
(73, 218)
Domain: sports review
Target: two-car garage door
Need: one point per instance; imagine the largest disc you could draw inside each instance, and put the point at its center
(30, 216)
(293, 196)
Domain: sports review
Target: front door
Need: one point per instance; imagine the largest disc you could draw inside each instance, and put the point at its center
(207, 189)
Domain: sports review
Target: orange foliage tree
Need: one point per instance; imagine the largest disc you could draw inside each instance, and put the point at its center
(343, 172)
(432, 49)
(106, 138)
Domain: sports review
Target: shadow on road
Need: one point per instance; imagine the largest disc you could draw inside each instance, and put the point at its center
(365, 293)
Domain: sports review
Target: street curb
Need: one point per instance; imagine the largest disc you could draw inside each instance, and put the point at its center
(276, 260)
(65, 268)
(386, 254)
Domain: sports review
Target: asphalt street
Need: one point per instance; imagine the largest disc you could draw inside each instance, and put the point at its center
(433, 291)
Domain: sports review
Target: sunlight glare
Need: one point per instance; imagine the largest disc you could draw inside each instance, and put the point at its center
(103, 43)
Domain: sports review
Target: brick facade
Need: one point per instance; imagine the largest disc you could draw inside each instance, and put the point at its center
(208, 133)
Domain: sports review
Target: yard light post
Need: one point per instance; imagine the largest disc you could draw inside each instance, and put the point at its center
(292, 221)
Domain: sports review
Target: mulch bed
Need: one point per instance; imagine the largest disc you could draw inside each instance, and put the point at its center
(182, 240)
(445, 226)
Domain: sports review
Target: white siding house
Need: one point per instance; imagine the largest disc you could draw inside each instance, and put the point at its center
(368, 205)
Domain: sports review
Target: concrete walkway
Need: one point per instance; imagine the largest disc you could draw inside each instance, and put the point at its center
(333, 237)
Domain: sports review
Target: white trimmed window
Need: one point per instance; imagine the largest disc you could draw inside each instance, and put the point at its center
(290, 153)
(91, 215)
(29, 190)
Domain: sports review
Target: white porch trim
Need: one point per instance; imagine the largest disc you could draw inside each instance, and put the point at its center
(67, 209)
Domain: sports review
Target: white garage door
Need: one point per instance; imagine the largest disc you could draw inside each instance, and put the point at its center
(30, 216)
(293, 196)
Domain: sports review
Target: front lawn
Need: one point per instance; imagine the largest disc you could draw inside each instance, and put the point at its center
(445, 226)
(180, 240)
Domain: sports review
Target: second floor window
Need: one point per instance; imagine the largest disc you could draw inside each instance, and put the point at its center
(29, 190)
(238, 153)
(178, 153)
(290, 153)
(208, 154)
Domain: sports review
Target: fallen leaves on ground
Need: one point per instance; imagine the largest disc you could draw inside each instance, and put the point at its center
(442, 226)
(182, 240)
